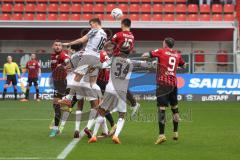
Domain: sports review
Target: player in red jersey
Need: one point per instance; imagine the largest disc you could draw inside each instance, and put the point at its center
(34, 70)
(168, 62)
(59, 61)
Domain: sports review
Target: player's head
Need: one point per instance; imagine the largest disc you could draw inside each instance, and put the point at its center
(57, 46)
(168, 42)
(9, 59)
(95, 23)
(33, 56)
(126, 23)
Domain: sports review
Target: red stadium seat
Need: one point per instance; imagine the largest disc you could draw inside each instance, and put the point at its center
(5, 16)
(169, 1)
(17, 16)
(30, 7)
(169, 8)
(53, 1)
(181, 17)
(77, 1)
(41, 17)
(146, 17)
(7, 1)
(52, 17)
(122, 1)
(134, 17)
(110, 1)
(65, 1)
(204, 17)
(63, 17)
(199, 56)
(192, 8)
(146, 1)
(205, 8)
(192, 17)
(41, 7)
(110, 7)
(53, 7)
(181, 1)
(181, 8)
(99, 8)
(228, 8)
(134, 1)
(222, 56)
(157, 17)
(168, 17)
(216, 8)
(229, 17)
(99, 1)
(100, 16)
(157, 8)
(19, 1)
(146, 8)
(123, 7)
(18, 7)
(134, 8)
(64, 7)
(76, 8)
(86, 17)
(6, 7)
(31, 1)
(87, 8)
(217, 17)
(75, 17)
(108, 17)
(42, 1)
(28, 17)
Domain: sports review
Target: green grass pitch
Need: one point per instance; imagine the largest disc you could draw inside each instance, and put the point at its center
(208, 130)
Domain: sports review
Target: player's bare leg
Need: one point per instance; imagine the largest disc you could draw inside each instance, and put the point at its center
(176, 118)
(134, 105)
(78, 117)
(120, 125)
(161, 123)
(37, 92)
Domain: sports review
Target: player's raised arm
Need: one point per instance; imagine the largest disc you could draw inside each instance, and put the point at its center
(83, 39)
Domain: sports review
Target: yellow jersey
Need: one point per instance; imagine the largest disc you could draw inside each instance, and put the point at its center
(10, 69)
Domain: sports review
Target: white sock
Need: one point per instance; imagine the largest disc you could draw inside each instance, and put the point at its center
(64, 118)
(120, 124)
(104, 126)
(55, 128)
(78, 120)
(91, 121)
(99, 121)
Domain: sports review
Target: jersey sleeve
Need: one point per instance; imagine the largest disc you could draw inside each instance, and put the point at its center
(27, 65)
(4, 70)
(155, 53)
(91, 33)
(17, 69)
(181, 61)
(65, 57)
(115, 38)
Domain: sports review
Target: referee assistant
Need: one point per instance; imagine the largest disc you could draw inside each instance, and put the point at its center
(10, 69)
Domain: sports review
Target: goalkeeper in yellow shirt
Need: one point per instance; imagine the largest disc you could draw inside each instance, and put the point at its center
(10, 69)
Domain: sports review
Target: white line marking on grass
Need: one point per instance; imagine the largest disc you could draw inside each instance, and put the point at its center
(68, 149)
(26, 119)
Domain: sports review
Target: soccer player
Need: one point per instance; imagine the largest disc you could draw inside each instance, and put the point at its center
(95, 40)
(59, 61)
(168, 62)
(34, 70)
(10, 69)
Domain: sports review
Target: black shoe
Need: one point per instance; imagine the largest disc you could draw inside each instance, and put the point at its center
(88, 133)
(76, 134)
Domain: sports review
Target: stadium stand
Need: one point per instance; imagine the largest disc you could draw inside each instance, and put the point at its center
(147, 10)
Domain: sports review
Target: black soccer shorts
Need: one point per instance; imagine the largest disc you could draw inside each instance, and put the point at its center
(11, 78)
(167, 98)
(32, 81)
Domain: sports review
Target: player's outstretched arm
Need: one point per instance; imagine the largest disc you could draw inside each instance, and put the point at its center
(146, 55)
(83, 39)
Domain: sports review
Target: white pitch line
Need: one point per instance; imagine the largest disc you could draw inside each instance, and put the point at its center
(68, 149)
(26, 119)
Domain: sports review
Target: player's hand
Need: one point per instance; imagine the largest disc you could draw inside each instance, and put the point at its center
(66, 44)
(91, 69)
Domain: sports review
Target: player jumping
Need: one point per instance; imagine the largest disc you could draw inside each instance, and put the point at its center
(168, 62)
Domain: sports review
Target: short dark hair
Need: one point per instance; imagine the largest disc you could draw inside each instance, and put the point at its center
(126, 22)
(57, 40)
(95, 20)
(169, 42)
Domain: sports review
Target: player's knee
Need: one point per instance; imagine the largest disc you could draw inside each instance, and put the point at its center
(121, 115)
(36, 84)
(102, 111)
(161, 115)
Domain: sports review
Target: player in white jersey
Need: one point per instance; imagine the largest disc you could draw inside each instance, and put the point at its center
(95, 39)
(116, 90)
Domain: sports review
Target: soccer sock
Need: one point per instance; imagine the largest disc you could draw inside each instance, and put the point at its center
(64, 118)
(4, 92)
(57, 111)
(110, 118)
(131, 99)
(15, 93)
(175, 122)
(99, 121)
(91, 120)
(78, 120)
(161, 121)
(27, 93)
(74, 100)
(120, 124)
(37, 93)
(104, 126)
